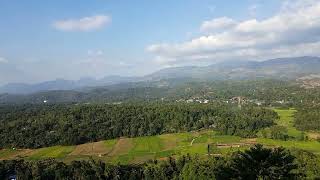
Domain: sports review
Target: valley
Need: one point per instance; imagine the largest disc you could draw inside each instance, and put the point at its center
(160, 90)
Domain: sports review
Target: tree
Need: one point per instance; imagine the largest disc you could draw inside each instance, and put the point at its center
(279, 132)
(308, 164)
(263, 163)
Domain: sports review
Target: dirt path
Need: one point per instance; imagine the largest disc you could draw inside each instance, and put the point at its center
(249, 141)
(192, 141)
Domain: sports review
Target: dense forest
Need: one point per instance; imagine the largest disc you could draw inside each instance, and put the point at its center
(308, 118)
(34, 126)
(255, 163)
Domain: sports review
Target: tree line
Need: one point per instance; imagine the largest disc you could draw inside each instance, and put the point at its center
(34, 126)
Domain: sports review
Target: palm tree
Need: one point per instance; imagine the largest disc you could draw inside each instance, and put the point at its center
(263, 163)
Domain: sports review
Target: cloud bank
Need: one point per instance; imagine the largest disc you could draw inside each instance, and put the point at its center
(83, 24)
(293, 31)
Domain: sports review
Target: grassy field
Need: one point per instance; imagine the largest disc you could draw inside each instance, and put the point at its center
(287, 120)
(141, 149)
(130, 150)
(312, 146)
(58, 152)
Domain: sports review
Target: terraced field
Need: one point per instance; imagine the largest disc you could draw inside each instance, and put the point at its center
(129, 150)
(136, 150)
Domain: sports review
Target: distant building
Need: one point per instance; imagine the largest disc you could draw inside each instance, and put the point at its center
(190, 101)
(280, 102)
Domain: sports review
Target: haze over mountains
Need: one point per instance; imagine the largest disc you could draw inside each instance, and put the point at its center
(282, 68)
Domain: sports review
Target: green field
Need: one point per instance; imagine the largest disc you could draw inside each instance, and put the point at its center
(287, 120)
(141, 149)
(136, 150)
(312, 146)
(51, 152)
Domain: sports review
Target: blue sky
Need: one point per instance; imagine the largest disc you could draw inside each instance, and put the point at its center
(44, 40)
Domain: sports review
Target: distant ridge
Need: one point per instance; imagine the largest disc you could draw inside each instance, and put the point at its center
(280, 68)
(286, 68)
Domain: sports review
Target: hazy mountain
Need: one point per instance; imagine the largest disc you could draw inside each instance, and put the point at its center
(61, 84)
(282, 68)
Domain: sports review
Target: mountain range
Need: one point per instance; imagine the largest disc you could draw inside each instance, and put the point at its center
(281, 68)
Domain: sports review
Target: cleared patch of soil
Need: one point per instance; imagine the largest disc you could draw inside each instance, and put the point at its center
(96, 148)
(168, 141)
(17, 154)
(123, 146)
(314, 135)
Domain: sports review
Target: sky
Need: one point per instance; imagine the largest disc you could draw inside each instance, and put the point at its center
(46, 40)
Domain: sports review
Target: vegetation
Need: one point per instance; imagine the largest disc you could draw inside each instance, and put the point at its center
(268, 92)
(308, 118)
(205, 141)
(255, 163)
(261, 163)
(130, 150)
(284, 128)
(40, 126)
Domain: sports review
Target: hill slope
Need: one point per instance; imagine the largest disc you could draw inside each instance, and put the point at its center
(283, 68)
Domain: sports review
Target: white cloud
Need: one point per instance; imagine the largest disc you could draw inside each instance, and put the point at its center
(293, 31)
(83, 24)
(217, 24)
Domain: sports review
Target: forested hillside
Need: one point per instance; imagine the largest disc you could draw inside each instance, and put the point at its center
(282, 68)
(267, 91)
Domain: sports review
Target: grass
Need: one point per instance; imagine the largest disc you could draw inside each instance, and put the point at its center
(151, 144)
(4, 153)
(312, 146)
(110, 143)
(144, 148)
(134, 150)
(58, 152)
(287, 120)
(141, 149)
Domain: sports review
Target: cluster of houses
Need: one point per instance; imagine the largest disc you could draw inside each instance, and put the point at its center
(194, 100)
(240, 100)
